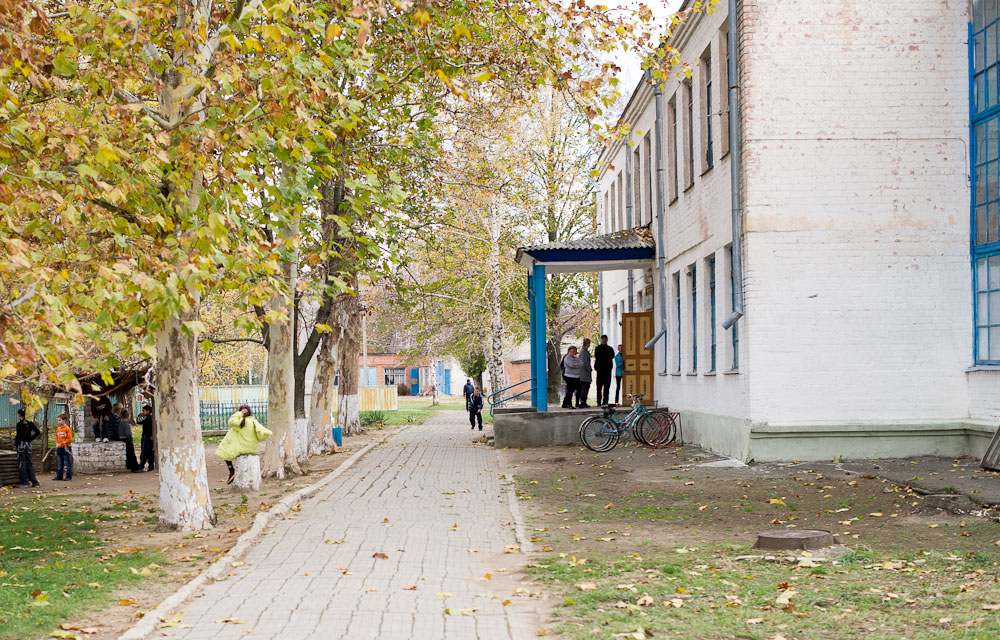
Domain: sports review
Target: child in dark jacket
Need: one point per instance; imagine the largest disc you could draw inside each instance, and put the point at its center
(26, 431)
(476, 408)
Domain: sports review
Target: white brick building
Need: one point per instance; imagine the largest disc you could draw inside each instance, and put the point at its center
(862, 334)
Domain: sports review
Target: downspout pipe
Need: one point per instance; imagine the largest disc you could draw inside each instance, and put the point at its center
(734, 170)
(628, 213)
(661, 240)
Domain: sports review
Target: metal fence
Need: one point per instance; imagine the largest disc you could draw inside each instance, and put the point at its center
(215, 415)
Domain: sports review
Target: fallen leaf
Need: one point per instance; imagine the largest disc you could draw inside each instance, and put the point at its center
(238, 563)
(785, 597)
(991, 607)
(755, 620)
(586, 586)
(645, 600)
(230, 621)
(126, 603)
(410, 587)
(380, 556)
(512, 548)
(443, 594)
(341, 541)
(542, 632)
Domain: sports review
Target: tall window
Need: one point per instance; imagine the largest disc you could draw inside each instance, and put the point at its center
(672, 149)
(986, 179)
(724, 93)
(636, 189)
(677, 314)
(621, 209)
(689, 125)
(649, 176)
(611, 211)
(707, 161)
(607, 216)
(694, 317)
(735, 329)
(711, 308)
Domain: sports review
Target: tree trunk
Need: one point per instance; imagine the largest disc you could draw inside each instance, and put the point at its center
(185, 501)
(279, 449)
(320, 432)
(494, 358)
(349, 314)
(434, 381)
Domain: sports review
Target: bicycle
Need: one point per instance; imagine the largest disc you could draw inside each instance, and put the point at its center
(603, 432)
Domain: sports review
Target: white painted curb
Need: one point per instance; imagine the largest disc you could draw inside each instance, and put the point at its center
(148, 623)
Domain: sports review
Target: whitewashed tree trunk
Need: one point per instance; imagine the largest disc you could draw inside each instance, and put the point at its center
(185, 501)
(434, 382)
(247, 476)
(279, 449)
(320, 426)
(494, 355)
(349, 317)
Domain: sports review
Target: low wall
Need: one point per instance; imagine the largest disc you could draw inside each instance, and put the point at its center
(869, 440)
(520, 427)
(98, 457)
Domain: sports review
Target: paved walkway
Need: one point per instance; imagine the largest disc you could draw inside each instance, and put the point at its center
(425, 499)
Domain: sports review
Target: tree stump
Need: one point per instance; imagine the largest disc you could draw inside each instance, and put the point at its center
(247, 473)
(799, 539)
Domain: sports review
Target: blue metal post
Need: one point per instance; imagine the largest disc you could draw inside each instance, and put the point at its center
(539, 356)
(532, 339)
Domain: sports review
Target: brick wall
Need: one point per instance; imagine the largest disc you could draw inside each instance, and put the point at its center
(858, 283)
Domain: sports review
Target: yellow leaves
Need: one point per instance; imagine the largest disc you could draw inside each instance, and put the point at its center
(271, 32)
(778, 501)
(341, 541)
(484, 76)
(106, 156)
(512, 548)
(443, 594)
(380, 556)
(454, 527)
(333, 31)
(421, 18)
(125, 602)
(459, 612)
(410, 587)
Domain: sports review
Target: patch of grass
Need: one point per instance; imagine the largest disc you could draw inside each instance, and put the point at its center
(707, 593)
(55, 566)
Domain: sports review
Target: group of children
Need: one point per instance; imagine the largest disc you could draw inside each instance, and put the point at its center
(112, 423)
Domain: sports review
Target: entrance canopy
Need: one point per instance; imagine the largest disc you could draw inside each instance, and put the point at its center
(629, 249)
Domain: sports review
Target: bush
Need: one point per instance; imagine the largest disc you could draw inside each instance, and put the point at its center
(402, 389)
(372, 418)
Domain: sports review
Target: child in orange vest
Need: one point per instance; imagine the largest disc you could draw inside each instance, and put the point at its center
(64, 448)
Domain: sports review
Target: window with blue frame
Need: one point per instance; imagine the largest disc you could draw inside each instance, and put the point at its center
(677, 314)
(984, 57)
(735, 329)
(711, 306)
(693, 271)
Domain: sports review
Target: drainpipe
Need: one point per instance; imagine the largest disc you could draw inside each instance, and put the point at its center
(734, 179)
(661, 249)
(628, 213)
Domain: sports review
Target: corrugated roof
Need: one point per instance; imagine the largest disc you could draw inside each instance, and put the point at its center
(636, 238)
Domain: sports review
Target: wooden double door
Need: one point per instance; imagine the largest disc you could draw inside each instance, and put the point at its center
(637, 374)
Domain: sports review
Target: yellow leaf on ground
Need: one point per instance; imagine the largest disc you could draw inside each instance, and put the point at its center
(410, 587)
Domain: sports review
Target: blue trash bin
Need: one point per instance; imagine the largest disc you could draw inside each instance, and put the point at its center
(338, 436)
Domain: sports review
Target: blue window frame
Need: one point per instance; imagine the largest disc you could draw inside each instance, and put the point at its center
(711, 293)
(984, 108)
(677, 303)
(732, 306)
(694, 318)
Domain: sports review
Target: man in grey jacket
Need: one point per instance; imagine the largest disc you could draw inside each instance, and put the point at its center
(572, 371)
(586, 377)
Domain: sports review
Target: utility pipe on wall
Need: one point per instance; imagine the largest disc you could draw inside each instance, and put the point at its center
(734, 168)
(628, 213)
(661, 249)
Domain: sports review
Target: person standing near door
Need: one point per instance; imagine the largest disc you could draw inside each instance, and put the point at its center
(619, 369)
(572, 370)
(586, 377)
(604, 362)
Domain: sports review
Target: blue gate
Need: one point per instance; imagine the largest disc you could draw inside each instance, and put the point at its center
(447, 382)
(414, 381)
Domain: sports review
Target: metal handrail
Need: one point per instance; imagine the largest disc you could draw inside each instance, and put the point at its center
(504, 400)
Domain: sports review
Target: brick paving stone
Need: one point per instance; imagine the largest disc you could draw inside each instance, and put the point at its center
(428, 498)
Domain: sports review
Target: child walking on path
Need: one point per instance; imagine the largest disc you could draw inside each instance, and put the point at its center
(26, 431)
(476, 408)
(64, 448)
(242, 438)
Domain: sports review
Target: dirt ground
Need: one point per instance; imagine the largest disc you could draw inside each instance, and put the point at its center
(184, 554)
(687, 495)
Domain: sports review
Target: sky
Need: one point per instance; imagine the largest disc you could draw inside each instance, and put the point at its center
(630, 64)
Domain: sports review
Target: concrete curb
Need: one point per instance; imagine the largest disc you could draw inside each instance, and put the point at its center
(520, 534)
(148, 623)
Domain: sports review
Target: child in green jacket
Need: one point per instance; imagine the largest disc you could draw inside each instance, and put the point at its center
(242, 438)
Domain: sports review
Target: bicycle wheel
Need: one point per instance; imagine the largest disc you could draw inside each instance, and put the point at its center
(656, 429)
(599, 434)
(638, 432)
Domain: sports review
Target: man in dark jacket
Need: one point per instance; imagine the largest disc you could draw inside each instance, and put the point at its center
(100, 408)
(26, 431)
(146, 446)
(604, 362)
(476, 408)
(467, 391)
